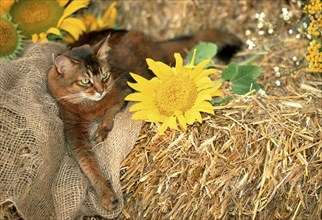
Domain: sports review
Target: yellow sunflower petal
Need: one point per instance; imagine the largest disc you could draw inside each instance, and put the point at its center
(68, 39)
(204, 83)
(73, 26)
(156, 117)
(73, 7)
(93, 26)
(172, 122)
(140, 115)
(203, 97)
(206, 92)
(34, 38)
(137, 107)
(42, 37)
(142, 83)
(182, 122)
(198, 116)
(161, 70)
(163, 128)
(135, 97)
(196, 74)
(139, 87)
(53, 30)
(192, 62)
(142, 106)
(112, 19)
(100, 24)
(190, 117)
(202, 64)
(217, 84)
(179, 62)
(205, 107)
(110, 13)
(217, 93)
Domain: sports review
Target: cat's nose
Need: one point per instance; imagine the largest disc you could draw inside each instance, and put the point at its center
(100, 92)
(99, 89)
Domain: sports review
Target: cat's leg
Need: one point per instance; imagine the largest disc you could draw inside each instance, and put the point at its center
(78, 139)
(107, 121)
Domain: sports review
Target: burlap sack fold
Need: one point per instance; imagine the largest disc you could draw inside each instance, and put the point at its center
(37, 172)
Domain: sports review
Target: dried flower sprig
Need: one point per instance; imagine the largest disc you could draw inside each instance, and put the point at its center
(314, 11)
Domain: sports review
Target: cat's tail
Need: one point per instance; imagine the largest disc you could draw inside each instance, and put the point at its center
(228, 44)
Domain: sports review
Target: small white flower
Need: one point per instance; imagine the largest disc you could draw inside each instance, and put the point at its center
(260, 16)
(294, 58)
(299, 4)
(276, 69)
(290, 31)
(286, 14)
(261, 32)
(298, 36)
(262, 92)
(247, 32)
(305, 25)
(250, 44)
(260, 25)
(270, 31)
(278, 83)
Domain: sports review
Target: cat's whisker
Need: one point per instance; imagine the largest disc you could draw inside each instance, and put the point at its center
(110, 85)
(72, 96)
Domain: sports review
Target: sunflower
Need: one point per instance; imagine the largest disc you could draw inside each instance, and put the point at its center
(175, 95)
(93, 23)
(10, 38)
(40, 20)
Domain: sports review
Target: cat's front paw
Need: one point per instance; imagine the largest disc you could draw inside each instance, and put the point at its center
(102, 132)
(108, 199)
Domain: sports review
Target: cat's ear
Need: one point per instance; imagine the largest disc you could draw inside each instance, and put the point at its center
(62, 63)
(102, 49)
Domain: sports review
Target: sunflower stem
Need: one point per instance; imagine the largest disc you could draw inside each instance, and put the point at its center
(251, 59)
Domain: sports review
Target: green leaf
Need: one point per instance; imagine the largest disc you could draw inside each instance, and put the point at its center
(242, 77)
(218, 101)
(204, 51)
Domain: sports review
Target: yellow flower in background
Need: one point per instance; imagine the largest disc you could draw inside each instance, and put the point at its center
(37, 18)
(315, 31)
(315, 56)
(93, 23)
(175, 95)
(5, 6)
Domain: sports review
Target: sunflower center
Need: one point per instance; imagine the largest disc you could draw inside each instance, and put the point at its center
(36, 16)
(9, 38)
(175, 94)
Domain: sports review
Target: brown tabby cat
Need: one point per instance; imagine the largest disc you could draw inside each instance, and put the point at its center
(89, 83)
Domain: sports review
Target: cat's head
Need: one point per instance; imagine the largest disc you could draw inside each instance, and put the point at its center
(83, 73)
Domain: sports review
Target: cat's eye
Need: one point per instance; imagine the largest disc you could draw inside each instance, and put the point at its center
(105, 75)
(85, 81)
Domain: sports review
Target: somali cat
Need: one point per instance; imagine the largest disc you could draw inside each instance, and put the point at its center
(89, 82)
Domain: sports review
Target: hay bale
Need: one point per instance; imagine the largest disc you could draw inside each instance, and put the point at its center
(258, 157)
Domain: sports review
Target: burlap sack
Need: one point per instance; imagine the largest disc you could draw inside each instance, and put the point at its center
(37, 173)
